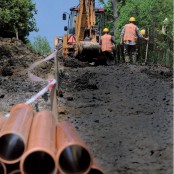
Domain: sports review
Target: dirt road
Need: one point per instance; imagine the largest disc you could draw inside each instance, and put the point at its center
(124, 113)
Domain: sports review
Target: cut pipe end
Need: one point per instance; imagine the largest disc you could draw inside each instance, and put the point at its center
(39, 162)
(15, 172)
(12, 148)
(2, 168)
(74, 159)
(95, 171)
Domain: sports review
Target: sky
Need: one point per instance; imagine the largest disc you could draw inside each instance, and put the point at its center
(49, 18)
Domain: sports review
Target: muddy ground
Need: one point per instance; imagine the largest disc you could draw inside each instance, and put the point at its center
(123, 112)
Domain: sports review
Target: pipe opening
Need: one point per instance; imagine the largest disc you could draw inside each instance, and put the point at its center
(15, 172)
(1, 169)
(95, 171)
(39, 162)
(12, 147)
(12, 167)
(74, 159)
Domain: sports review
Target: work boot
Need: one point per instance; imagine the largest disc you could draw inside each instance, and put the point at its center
(134, 58)
(110, 62)
(127, 59)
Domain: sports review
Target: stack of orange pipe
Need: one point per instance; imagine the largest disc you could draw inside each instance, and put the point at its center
(40, 147)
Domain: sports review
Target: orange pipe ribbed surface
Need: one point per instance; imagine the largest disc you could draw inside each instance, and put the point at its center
(14, 133)
(40, 155)
(73, 156)
(3, 169)
(95, 169)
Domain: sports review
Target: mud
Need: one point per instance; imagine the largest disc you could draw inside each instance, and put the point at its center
(123, 112)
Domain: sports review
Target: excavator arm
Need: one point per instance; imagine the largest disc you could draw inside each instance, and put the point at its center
(85, 19)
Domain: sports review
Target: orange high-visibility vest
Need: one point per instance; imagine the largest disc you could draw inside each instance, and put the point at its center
(106, 43)
(130, 33)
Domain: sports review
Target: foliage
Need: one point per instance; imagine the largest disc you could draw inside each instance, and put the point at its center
(40, 45)
(152, 16)
(109, 16)
(146, 13)
(17, 16)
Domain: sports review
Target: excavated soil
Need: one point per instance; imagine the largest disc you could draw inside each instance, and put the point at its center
(15, 86)
(123, 112)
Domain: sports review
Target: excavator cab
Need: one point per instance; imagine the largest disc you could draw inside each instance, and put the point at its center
(71, 20)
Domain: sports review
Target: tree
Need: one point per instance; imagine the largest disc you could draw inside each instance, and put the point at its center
(148, 14)
(112, 6)
(17, 18)
(41, 45)
(115, 13)
(152, 15)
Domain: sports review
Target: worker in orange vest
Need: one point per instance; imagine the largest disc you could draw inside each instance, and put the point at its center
(129, 36)
(106, 46)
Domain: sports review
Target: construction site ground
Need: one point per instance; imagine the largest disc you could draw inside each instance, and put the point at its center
(123, 112)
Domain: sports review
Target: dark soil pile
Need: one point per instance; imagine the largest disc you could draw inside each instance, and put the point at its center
(15, 86)
(15, 57)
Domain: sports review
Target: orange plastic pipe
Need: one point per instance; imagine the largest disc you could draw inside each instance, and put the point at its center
(40, 155)
(95, 169)
(15, 172)
(14, 133)
(73, 156)
(3, 169)
(3, 119)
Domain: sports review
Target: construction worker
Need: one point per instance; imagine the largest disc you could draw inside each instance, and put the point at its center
(106, 46)
(129, 36)
(142, 46)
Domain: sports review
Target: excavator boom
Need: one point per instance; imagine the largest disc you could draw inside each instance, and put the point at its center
(85, 18)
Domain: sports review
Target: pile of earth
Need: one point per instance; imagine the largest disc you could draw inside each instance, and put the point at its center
(15, 59)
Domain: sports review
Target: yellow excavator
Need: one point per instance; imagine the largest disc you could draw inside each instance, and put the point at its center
(83, 31)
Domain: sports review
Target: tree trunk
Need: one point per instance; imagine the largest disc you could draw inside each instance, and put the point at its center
(17, 35)
(115, 13)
